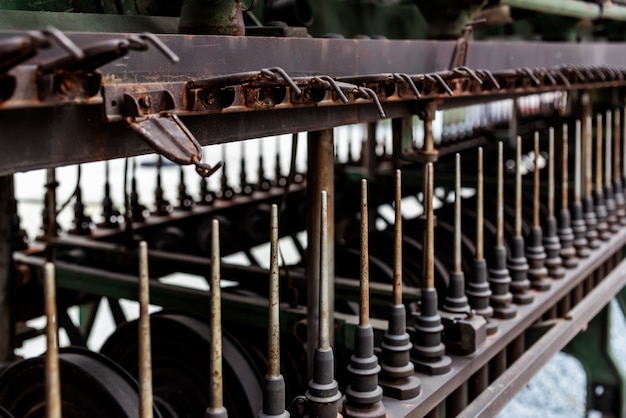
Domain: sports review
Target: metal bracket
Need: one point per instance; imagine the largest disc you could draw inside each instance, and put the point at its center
(167, 134)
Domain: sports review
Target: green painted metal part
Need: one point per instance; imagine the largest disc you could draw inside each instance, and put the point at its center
(605, 381)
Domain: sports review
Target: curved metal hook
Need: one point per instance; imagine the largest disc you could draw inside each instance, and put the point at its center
(530, 74)
(272, 72)
(157, 43)
(403, 77)
(436, 78)
(469, 71)
(366, 92)
(327, 79)
(491, 78)
(64, 42)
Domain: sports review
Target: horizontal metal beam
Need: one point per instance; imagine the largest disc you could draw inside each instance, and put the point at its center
(43, 137)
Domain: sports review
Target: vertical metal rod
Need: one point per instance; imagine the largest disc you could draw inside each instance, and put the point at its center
(500, 204)
(429, 233)
(577, 164)
(457, 215)
(216, 399)
(480, 250)
(536, 221)
(623, 133)
(323, 337)
(599, 152)
(564, 170)
(607, 148)
(397, 247)
(551, 172)
(53, 378)
(518, 187)
(273, 346)
(364, 267)
(588, 154)
(145, 350)
(618, 143)
(321, 177)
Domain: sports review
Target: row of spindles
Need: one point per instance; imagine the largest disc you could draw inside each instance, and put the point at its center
(492, 292)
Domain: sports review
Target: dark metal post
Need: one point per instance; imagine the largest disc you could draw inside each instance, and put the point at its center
(321, 175)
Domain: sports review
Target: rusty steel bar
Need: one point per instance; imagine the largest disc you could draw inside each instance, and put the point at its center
(145, 350)
(480, 243)
(500, 199)
(617, 139)
(564, 170)
(216, 400)
(578, 188)
(324, 318)
(550, 172)
(608, 120)
(397, 247)
(364, 305)
(518, 187)
(588, 156)
(428, 273)
(273, 337)
(599, 139)
(457, 215)
(274, 383)
(536, 182)
(53, 378)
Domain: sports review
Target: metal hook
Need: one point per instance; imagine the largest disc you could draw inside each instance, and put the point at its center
(64, 42)
(156, 42)
(491, 78)
(331, 81)
(469, 71)
(403, 77)
(436, 78)
(271, 73)
(366, 92)
(530, 74)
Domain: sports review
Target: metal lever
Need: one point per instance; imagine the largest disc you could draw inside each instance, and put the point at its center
(167, 134)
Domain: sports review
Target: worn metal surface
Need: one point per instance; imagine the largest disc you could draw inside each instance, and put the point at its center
(334, 57)
(145, 350)
(52, 372)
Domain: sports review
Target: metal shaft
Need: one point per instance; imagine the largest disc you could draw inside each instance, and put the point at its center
(588, 159)
(145, 351)
(397, 247)
(607, 148)
(457, 215)
(273, 346)
(480, 247)
(53, 378)
(364, 266)
(599, 152)
(429, 232)
(577, 164)
(564, 169)
(500, 204)
(617, 144)
(518, 187)
(551, 172)
(323, 333)
(536, 221)
(216, 398)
